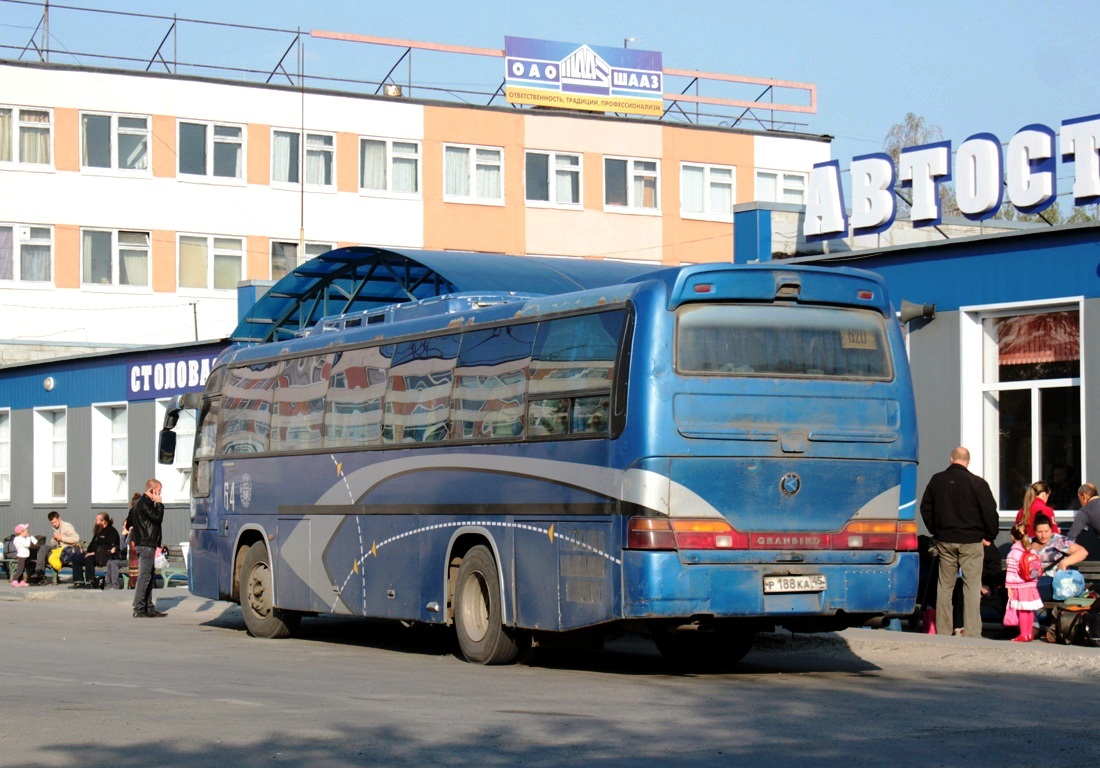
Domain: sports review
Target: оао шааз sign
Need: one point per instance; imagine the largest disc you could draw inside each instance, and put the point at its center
(1025, 173)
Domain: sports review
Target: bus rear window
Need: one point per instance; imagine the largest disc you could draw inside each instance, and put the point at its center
(782, 340)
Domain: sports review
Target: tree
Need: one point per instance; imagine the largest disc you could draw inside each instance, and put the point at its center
(913, 131)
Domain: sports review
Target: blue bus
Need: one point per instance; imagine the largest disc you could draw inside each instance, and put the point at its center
(698, 454)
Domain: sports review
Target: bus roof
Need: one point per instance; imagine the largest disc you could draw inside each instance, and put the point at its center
(362, 278)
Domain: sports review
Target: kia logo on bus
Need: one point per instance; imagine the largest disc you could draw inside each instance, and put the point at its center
(790, 484)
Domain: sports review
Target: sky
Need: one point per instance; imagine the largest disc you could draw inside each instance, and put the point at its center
(966, 67)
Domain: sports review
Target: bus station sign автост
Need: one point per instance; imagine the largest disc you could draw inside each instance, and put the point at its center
(983, 175)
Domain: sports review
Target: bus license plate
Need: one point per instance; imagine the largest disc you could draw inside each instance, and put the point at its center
(809, 583)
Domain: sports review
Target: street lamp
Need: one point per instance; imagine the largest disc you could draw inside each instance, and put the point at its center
(628, 40)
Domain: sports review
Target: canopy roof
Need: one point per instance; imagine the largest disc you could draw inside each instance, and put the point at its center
(364, 278)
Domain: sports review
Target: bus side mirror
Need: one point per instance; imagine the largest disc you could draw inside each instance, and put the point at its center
(166, 453)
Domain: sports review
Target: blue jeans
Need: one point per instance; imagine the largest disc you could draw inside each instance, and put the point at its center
(143, 590)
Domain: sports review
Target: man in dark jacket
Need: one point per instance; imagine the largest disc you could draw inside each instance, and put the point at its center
(145, 519)
(959, 511)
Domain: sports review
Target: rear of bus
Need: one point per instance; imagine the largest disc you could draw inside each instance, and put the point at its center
(779, 476)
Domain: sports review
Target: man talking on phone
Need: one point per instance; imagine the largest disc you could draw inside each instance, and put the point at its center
(145, 519)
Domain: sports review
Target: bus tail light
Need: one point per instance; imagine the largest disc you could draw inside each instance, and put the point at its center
(662, 533)
(898, 535)
(708, 534)
(907, 536)
(654, 533)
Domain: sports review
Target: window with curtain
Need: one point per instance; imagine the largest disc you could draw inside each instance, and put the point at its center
(50, 452)
(387, 165)
(25, 135)
(553, 177)
(192, 261)
(706, 191)
(1031, 392)
(133, 258)
(474, 173)
(7, 135)
(284, 256)
(110, 453)
(320, 150)
(206, 261)
(177, 477)
(631, 183)
(97, 259)
(110, 257)
(285, 157)
(26, 253)
(228, 258)
(780, 187)
(115, 141)
(5, 455)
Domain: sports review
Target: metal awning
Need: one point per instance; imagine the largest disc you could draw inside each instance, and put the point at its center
(364, 278)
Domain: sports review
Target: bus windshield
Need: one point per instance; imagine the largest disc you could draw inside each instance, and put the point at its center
(782, 340)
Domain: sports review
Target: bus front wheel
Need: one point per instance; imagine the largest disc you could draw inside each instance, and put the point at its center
(261, 617)
(482, 637)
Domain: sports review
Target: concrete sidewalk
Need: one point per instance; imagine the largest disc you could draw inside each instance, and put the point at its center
(64, 591)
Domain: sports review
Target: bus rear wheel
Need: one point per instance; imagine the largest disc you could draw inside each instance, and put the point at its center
(261, 617)
(481, 636)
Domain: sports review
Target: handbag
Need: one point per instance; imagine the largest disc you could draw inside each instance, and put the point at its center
(1012, 618)
(54, 560)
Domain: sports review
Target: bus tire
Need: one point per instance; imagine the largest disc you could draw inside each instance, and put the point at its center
(261, 617)
(481, 636)
(696, 651)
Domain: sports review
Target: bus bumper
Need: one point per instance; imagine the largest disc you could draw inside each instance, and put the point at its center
(658, 585)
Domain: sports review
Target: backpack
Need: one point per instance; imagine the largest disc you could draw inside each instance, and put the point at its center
(9, 547)
(1074, 625)
(1031, 567)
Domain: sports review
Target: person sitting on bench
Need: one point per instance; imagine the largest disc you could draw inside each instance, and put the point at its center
(103, 546)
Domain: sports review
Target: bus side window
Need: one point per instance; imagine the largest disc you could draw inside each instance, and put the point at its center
(572, 372)
(356, 389)
(298, 404)
(246, 409)
(418, 391)
(491, 383)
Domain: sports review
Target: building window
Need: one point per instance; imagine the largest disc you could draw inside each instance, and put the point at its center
(553, 178)
(286, 159)
(5, 455)
(387, 165)
(631, 183)
(781, 187)
(706, 191)
(473, 174)
(50, 455)
(114, 141)
(25, 135)
(26, 253)
(1031, 416)
(177, 478)
(110, 458)
(284, 256)
(207, 261)
(115, 257)
(211, 150)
